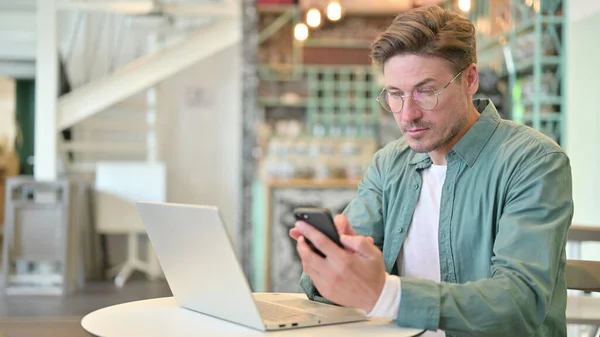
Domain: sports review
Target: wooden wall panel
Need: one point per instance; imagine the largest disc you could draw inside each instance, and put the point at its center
(336, 56)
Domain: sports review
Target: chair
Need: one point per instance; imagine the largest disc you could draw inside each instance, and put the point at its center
(118, 185)
(583, 275)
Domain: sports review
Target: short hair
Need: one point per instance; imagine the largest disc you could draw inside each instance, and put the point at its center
(428, 31)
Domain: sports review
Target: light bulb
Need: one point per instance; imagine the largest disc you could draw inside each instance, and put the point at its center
(334, 11)
(464, 5)
(301, 32)
(313, 18)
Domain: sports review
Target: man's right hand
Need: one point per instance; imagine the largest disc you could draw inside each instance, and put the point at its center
(341, 223)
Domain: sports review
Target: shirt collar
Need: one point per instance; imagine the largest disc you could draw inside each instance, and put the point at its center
(471, 144)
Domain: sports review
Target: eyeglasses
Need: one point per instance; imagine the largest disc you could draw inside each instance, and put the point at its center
(426, 99)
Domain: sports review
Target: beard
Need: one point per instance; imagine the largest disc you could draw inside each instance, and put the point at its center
(435, 138)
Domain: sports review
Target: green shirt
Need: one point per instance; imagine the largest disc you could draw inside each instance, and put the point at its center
(505, 210)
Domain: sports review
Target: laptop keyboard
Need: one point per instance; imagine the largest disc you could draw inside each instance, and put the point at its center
(302, 304)
(279, 314)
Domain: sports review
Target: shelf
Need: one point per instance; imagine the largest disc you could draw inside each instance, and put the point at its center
(533, 48)
(312, 183)
(279, 102)
(496, 41)
(555, 100)
(544, 117)
(528, 64)
(530, 25)
(336, 43)
(274, 9)
(280, 72)
(38, 279)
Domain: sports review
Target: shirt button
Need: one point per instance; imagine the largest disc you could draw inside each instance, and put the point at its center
(400, 230)
(416, 186)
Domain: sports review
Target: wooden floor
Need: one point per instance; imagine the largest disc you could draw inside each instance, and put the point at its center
(53, 316)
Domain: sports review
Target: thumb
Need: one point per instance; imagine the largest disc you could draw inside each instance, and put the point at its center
(360, 244)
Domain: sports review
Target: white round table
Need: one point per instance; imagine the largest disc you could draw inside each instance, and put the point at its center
(163, 317)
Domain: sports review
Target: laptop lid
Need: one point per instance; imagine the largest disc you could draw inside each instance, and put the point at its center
(199, 262)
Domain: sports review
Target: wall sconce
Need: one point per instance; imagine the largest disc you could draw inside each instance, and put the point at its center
(301, 32)
(313, 18)
(334, 10)
(464, 5)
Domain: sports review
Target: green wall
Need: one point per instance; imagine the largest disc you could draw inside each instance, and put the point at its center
(25, 115)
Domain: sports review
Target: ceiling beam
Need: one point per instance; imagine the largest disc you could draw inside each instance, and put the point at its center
(229, 9)
(145, 72)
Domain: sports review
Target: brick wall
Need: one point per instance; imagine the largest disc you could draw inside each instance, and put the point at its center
(336, 56)
(340, 43)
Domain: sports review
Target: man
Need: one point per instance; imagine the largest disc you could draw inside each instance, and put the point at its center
(460, 226)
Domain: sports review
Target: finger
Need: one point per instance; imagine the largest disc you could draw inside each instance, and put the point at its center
(319, 240)
(343, 225)
(295, 233)
(306, 254)
(370, 239)
(350, 250)
(311, 262)
(360, 244)
(313, 265)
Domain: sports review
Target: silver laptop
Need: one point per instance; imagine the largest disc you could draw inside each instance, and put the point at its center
(199, 263)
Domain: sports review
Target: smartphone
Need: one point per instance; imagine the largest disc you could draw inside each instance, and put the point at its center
(321, 219)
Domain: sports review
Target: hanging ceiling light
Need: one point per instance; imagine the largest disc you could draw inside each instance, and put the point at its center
(334, 10)
(313, 18)
(301, 32)
(464, 5)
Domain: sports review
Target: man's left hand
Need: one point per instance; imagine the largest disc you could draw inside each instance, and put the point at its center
(352, 277)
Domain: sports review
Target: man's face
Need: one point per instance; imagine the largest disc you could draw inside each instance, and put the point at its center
(427, 130)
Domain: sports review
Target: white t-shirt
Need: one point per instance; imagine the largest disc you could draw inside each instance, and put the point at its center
(420, 255)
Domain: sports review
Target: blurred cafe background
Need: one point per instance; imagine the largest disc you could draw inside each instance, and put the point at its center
(254, 106)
